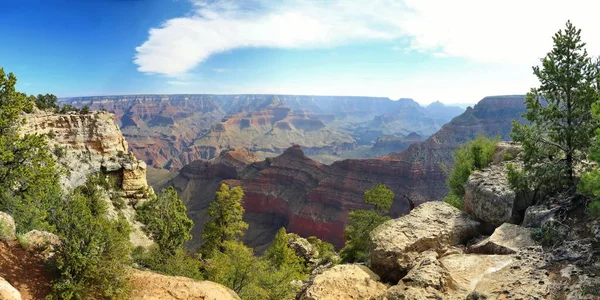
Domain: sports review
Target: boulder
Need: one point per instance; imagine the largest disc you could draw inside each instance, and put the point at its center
(402, 292)
(433, 225)
(151, 286)
(523, 278)
(7, 291)
(538, 215)
(40, 242)
(506, 239)
(506, 151)
(344, 282)
(7, 227)
(467, 269)
(302, 247)
(490, 199)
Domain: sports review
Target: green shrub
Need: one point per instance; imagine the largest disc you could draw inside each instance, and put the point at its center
(507, 157)
(362, 222)
(94, 249)
(549, 234)
(85, 110)
(474, 155)
(177, 264)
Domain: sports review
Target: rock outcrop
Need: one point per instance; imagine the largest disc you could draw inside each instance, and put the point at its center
(7, 291)
(87, 143)
(163, 129)
(302, 248)
(294, 191)
(344, 282)
(148, 285)
(489, 197)
(7, 227)
(41, 242)
(398, 243)
(506, 239)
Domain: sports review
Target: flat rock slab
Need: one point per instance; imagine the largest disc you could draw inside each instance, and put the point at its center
(467, 270)
(345, 282)
(431, 226)
(506, 239)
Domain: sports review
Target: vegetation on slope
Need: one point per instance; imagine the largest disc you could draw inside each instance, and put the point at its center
(469, 157)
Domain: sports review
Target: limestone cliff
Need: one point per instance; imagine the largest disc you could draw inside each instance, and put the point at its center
(89, 143)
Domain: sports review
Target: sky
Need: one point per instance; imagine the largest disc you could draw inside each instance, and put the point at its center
(453, 51)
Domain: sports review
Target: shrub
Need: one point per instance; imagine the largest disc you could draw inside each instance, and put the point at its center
(177, 264)
(474, 155)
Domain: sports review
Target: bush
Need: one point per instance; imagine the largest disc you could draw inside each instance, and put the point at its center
(474, 155)
(90, 260)
(47, 101)
(85, 110)
(177, 264)
(362, 222)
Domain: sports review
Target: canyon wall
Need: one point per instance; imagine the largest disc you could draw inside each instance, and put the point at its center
(310, 198)
(170, 131)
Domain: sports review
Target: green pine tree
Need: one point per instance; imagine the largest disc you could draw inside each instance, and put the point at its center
(362, 222)
(226, 224)
(561, 125)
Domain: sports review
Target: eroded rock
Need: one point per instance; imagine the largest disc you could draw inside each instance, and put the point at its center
(490, 199)
(41, 242)
(302, 247)
(7, 291)
(538, 215)
(504, 151)
(506, 239)
(344, 282)
(434, 226)
(7, 227)
(148, 285)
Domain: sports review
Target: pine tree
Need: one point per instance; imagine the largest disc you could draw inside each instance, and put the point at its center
(226, 224)
(166, 221)
(362, 222)
(29, 176)
(561, 126)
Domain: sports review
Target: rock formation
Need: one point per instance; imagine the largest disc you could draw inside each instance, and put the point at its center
(163, 129)
(89, 143)
(344, 282)
(431, 226)
(7, 227)
(7, 291)
(294, 191)
(151, 286)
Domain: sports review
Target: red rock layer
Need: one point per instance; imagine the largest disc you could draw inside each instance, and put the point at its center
(309, 198)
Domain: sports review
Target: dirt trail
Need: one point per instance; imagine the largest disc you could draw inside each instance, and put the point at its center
(24, 271)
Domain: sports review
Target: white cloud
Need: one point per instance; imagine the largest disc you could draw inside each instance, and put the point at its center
(509, 31)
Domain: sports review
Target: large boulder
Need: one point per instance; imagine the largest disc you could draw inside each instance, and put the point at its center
(433, 225)
(523, 278)
(7, 291)
(151, 286)
(7, 227)
(490, 199)
(344, 282)
(506, 239)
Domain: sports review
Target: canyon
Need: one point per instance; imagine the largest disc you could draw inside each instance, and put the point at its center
(309, 198)
(170, 131)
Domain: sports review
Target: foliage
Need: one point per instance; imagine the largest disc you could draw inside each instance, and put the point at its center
(323, 247)
(177, 264)
(362, 222)
(237, 268)
(166, 221)
(85, 110)
(226, 224)
(29, 177)
(590, 185)
(561, 127)
(474, 155)
(90, 259)
(283, 267)
(47, 101)
(68, 108)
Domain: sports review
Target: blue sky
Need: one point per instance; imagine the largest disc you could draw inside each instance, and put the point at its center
(452, 51)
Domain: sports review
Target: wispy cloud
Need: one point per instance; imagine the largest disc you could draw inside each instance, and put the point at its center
(510, 31)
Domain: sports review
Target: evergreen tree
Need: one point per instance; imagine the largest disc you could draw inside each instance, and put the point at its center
(284, 266)
(166, 221)
(29, 176)
(561, 126)
(362, 222)
(226, 224)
